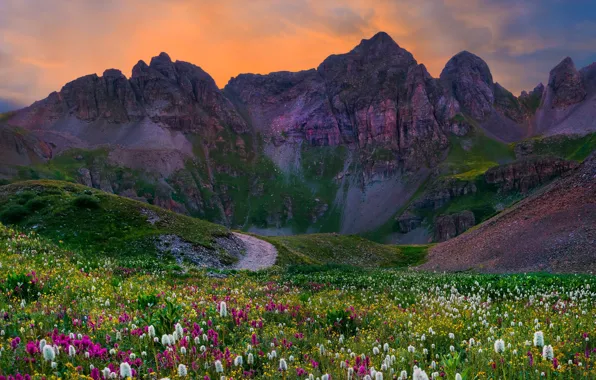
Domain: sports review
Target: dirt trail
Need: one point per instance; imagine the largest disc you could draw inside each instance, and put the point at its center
(259, 253)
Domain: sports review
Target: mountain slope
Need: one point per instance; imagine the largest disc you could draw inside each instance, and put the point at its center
(343, 147)
(553, 230)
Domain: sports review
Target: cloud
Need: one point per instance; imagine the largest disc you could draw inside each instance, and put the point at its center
(45, 44)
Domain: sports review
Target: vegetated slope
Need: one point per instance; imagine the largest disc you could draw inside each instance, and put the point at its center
(345, 249)
(97, 223)
(553, 230)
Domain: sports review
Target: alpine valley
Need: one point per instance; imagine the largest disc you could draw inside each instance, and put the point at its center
(367, 143)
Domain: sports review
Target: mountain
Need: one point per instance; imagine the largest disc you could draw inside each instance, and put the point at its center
(355, 145)
(553, 230)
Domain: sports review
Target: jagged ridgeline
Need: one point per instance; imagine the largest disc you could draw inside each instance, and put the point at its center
(368, 142)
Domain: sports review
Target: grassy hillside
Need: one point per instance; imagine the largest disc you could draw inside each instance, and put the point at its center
(99, 224)
(575, 148)
(345, 249)
(91, 221)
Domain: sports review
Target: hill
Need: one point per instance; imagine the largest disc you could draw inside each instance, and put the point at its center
(552, 230)
(99, 224)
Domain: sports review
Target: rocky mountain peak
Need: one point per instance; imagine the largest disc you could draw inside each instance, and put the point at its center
(163, 63)
(470, 81)
(566, 85)
(113, 73)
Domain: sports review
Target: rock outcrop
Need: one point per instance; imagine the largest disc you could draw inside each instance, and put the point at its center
(450, 226)
(526, 174)
(443, 191)
(565, 86)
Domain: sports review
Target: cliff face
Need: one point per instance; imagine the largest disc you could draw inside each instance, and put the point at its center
(352, 139)
(526, 174)
(375, 96)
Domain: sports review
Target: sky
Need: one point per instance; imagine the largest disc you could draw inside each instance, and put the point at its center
(47, 43)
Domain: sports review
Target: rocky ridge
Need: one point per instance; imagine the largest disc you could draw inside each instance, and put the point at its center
(173, 138)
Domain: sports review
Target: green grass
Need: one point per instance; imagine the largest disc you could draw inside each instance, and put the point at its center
(96, 222)
(348, 249)
(575, 148)
(472, 155)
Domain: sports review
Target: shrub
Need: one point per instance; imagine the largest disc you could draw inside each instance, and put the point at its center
(87, 201)
(36, 204)
(13, 214)
(26, 196)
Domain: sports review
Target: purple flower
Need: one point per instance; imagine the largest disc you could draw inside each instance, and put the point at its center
(15, 343)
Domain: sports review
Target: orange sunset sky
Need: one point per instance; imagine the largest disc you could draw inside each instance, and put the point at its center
(44, 44)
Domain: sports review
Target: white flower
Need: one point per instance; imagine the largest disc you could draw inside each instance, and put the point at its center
(325, 377)
(179, 330)
(71, 351)
(165, 340)
(375, 350)
(182, 372)
(250, 359)
(499, 346)
(238, 361)
(42, 344)
(48, 353)
(419, 374)
(151, 331)
(548, 353)
(403, 375)
(411, 349)
(458, 376)
(538, 339)
(125, 370)
(378, 376)
(183, 350)
(223, 309)
(106, 372)
(283, 366)
(218, 367)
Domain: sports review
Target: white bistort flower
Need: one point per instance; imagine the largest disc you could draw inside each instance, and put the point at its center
(419, 374)
(499, 346)
(283, 366)
(48, 353)
(223, 309)
(548, 352)
(125, 370)
(182, 372)
(218, 366)
(538, 339)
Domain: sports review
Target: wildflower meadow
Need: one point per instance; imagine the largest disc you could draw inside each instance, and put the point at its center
(68, 316)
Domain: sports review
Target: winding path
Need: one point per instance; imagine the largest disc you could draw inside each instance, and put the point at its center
(259, 253)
